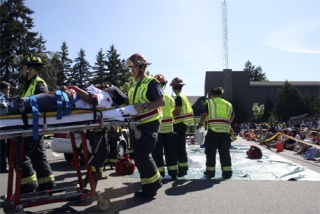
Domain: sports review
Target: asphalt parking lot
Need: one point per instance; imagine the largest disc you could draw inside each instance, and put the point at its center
(187, 195)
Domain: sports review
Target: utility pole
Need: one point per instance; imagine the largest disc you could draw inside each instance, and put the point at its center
(224, 35)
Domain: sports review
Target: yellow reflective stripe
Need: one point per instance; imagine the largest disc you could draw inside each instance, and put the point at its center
(150, 180)
(210, 168)
(171, 168)
(93, 169)
(112, 160)
(183, 164)
(29, 179)
(226, 168)
(161, 169)
(47, 179)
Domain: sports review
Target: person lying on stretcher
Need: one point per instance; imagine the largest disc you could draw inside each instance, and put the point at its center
(71, 96)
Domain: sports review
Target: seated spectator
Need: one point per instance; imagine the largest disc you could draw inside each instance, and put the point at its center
(264, 136)
(289, 143)
(311, 138)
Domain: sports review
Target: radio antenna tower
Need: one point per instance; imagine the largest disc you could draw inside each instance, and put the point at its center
(224, 35)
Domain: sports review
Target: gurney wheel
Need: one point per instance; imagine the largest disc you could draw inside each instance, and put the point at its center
(103, 203)
(8, 207)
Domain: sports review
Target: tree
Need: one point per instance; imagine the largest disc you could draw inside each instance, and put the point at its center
(117, 73)
(268, 107)
(99, 69)
(289, 102)
(16, 38)
(256, 74)
(257, 110)
(80, 72)
(64, 70)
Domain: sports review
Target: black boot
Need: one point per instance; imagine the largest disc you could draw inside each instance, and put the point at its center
(149, 190)
(46, 186)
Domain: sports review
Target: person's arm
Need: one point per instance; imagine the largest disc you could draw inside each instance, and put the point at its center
(232, 117)
(203, 116)
(177, 110)
(84, 95)
(155, 95)
(157, 103)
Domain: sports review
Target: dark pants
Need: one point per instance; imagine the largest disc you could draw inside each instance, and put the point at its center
(35, 159)
(180, 146)
(222, 142)
(99, 152)
(4, 155)
(143, 148)
(165, 144)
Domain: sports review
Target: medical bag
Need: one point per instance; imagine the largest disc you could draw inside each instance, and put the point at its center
(125, 166)
(254, 152)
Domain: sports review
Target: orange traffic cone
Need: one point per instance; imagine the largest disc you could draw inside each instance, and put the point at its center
(279, 147)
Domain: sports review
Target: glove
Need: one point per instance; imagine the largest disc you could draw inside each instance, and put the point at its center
(199, 125)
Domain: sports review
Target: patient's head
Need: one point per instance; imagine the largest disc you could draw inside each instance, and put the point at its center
(117, 95)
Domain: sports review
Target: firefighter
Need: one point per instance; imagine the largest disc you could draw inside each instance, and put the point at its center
(147, 98)
(165, 141)
(183, 118)
(219, 115)
(34, 158)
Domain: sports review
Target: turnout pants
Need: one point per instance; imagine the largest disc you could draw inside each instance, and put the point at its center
(165, 144)
(142, 150)
(222, 142)
(99, 152)
(35, 159)
(180, 147)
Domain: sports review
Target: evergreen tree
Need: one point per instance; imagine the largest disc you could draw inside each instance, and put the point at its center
(289, 102)
(268, 107)
(50, 72)
(99, 69)
(117, 73)
(64, 72)
(256, 74)
(80, 71)
(16, 38)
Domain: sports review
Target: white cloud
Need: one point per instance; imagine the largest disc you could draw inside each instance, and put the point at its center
(299, 37)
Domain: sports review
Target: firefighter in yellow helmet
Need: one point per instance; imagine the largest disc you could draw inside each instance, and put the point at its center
(36, 171)
(147, 98)
(219, 114)
(165, 141)
(183, 118)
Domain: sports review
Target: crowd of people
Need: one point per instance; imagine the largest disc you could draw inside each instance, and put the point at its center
(298, 136)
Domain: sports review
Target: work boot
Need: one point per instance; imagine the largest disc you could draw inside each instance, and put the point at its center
(28, 188)
(182, 173)
(149, 190)
(209, 174)
(226, 175)
(46, 186)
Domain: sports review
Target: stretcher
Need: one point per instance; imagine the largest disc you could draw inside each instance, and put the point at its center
(12, 127)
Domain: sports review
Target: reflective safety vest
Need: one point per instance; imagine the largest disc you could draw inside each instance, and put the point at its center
(186, 115)
(219, 115)
(166, 125)
(32, 86)
(140, 96)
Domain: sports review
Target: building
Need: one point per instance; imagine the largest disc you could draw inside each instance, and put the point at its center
(237, 85)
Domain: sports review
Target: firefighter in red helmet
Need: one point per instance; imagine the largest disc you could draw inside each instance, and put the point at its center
(183, 118)
(165, 141)
(147, 98)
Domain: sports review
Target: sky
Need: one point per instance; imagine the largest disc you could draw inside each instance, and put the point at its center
(183, 38)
